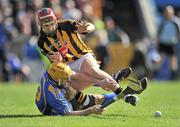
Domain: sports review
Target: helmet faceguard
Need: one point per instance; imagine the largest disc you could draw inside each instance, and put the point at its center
(47, 20)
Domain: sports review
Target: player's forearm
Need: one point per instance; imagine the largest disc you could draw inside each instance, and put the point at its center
(80, 112)
(96, 109)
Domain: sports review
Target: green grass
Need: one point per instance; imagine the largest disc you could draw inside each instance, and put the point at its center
(17, 109)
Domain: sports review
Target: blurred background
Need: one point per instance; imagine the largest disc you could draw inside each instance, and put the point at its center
(143, 34)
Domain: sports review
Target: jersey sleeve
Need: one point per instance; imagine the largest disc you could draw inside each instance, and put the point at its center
(67, 25)
(70, 25)
(40, 44)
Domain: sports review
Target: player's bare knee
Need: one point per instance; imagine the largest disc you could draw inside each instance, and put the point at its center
(111, 84)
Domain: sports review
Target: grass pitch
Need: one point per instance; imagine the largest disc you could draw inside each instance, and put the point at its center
(17, 109)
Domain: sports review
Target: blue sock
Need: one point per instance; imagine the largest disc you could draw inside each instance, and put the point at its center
(108, 97)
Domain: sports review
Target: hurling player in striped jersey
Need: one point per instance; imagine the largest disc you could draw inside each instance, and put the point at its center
(60, 41)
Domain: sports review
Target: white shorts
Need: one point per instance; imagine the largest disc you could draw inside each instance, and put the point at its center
(76, 65)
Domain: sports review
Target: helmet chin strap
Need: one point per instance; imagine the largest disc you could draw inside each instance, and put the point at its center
(51, 33)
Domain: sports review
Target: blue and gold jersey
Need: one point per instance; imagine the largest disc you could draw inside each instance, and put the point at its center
(50, 100)
(64, 37)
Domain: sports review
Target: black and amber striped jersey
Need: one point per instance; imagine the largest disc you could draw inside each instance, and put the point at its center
(64, 36)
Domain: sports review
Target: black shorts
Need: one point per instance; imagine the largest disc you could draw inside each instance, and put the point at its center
(168, 49)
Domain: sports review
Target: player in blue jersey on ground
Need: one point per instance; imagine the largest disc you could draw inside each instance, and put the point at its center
(55, 96)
